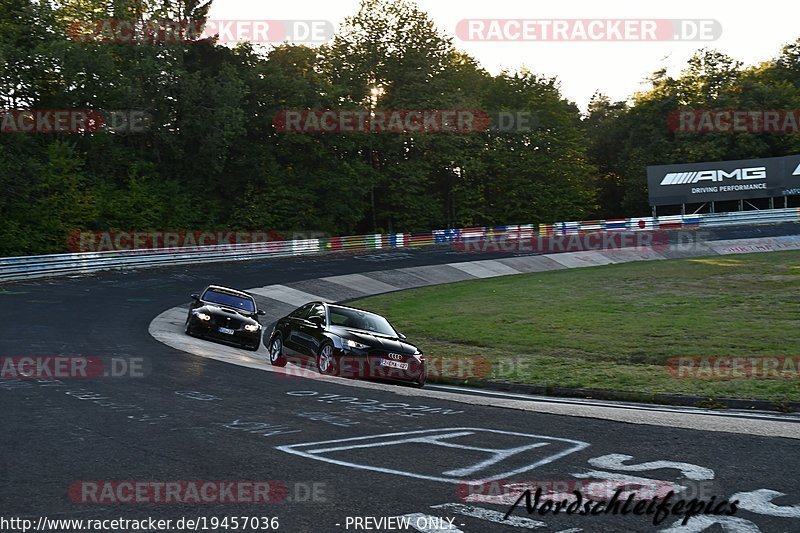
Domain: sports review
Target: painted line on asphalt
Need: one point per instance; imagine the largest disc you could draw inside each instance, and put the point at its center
(362, 283)
(485, 269)
(493, 468)
(490, 515)
(288, 295)
(437, 274)
(760, 415)
(580, 259)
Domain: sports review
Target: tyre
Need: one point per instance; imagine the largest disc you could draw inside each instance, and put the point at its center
(276, 357)
(420, 381)
(326, 361)
(188, 330)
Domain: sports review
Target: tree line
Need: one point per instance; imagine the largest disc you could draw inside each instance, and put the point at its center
(211, 157)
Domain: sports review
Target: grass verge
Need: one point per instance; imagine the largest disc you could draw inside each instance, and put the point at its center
(614, 327)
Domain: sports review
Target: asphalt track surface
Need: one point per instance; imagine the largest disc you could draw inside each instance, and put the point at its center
(192, 418)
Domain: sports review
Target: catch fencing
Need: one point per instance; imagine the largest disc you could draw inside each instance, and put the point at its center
(17, 268)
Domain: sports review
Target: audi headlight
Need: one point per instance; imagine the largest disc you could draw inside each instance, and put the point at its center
(251, 327)
(204, 317)
(353, 344)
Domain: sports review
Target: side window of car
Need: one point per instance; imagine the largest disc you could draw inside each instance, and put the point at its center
(338, 319)
(301, 312)
(318, 310)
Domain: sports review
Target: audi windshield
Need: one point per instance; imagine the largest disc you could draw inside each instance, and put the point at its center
(361, 320)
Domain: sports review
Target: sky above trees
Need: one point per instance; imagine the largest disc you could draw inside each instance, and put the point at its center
(750, 32)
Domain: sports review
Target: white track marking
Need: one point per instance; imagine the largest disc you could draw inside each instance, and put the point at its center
(362, 283)
(652, 487)
(580, 259)
(436, 274)
(617, 404)
(490, 515)
(760, 501)
(485, 269)
(729, 524)
(497, 456)
(745, 246)
(288, 295)
(435, 437)
(614, 462)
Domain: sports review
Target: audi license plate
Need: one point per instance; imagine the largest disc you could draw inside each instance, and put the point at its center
(394, 364)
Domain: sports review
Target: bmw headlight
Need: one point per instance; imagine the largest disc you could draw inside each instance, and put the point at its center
(353, 344)
(204, 317)
(251, 327)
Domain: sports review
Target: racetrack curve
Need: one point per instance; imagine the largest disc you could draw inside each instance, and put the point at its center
(196, 418)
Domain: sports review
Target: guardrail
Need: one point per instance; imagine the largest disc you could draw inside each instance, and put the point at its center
(16, 268)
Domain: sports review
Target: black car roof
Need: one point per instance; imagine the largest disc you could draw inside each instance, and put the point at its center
(232, 292)
(351, 308)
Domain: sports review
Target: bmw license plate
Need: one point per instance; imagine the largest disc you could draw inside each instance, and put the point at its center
(394, 364)
(227, 331)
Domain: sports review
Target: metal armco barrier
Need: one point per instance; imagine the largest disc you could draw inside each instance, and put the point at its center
(17, 268)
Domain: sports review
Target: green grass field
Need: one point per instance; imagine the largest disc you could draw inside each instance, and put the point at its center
(613, 327)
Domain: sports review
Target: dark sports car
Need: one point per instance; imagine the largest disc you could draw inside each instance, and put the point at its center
(225, 314)
(347, 342)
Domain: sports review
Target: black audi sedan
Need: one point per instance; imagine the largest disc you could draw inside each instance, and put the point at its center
(347, 342)
(225, 314)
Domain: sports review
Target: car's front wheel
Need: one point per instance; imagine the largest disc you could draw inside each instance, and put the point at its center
(276, 356)
(188, 329)
(326, 362)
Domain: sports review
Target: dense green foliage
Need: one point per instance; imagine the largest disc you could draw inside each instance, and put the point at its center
(211, 158)
(626, 137)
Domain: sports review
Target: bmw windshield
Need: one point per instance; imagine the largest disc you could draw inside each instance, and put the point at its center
(360, 320)
(229, 300)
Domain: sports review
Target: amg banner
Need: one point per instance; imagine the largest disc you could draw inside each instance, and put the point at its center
(791, 176)
(724, 180)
